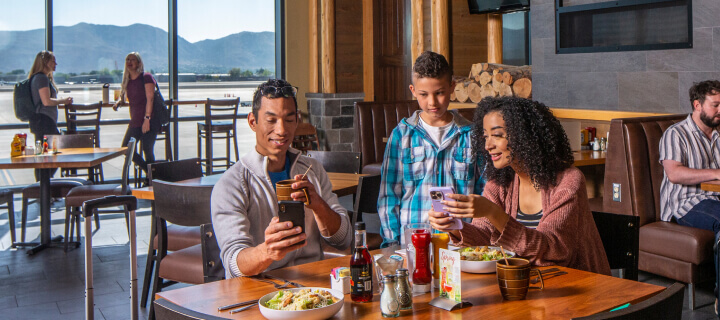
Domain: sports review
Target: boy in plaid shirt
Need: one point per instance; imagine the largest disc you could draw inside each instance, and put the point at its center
(431, 148)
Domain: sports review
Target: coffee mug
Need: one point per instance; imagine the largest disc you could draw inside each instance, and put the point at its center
(514, 278)
(284, 189)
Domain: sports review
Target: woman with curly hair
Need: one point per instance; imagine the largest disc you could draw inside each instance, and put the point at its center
(535, 202)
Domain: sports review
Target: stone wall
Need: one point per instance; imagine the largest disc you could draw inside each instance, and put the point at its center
(644, 81)
(333, 114)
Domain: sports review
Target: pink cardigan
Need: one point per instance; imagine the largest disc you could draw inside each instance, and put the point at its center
(566, 235)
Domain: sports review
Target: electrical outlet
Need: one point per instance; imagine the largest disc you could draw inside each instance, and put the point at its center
(616, 192)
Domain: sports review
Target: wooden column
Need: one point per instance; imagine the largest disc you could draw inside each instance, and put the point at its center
(328, 46)
(441, 28)
(368, 51)
(417, 45)
(495, 34)
(314, 67)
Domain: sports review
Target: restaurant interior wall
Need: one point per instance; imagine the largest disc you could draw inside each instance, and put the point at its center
(643, 81)
(297, 57)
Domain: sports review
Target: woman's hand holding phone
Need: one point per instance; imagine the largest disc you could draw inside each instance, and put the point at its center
(438, 195)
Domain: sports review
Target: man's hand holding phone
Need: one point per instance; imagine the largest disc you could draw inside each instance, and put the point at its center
(282, 238)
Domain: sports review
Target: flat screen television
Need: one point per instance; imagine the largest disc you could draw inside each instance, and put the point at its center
(501, 6)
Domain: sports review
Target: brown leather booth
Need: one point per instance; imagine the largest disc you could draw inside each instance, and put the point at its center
(375, 122)
(666, 248)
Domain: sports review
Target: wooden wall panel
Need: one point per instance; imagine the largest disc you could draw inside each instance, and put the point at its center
(468, 37)
(348, 46)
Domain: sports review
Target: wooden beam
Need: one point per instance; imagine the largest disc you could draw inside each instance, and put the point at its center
(314, 67)
(495, 35)
(441, 28)
(368, 51)
(328, 46)
(418, 25)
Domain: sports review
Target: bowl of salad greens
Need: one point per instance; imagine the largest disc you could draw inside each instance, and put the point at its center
(481, 259)
(301, 303)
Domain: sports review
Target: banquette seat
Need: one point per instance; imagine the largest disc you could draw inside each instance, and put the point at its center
(666, 248)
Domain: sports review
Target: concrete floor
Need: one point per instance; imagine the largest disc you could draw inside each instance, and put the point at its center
(50, 284)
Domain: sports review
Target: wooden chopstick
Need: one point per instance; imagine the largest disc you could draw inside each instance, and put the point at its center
(239, 304)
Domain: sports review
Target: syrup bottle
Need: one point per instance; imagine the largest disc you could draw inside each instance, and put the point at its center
(361, 268)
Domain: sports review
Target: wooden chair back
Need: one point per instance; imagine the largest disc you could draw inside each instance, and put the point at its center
(83, 118)
(221, 109)
(305, 137)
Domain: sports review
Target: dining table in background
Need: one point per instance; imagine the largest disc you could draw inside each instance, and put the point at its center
(575, 294)
(344, 184)
(70, 158)
(713, 185)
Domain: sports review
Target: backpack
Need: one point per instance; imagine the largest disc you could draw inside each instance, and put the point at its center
(23, 101)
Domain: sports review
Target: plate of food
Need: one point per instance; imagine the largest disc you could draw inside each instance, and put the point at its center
(301, 303)
(481, 259)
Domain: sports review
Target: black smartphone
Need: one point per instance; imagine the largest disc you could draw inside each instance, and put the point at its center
(293, 211)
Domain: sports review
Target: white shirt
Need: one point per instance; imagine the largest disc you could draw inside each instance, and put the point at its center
(437, 134)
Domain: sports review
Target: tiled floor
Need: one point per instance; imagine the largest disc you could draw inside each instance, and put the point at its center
(50, 285)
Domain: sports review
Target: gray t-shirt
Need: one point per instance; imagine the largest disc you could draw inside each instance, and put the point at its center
(40, 81)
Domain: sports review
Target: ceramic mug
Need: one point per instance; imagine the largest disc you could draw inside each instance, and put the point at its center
(284, 189)
(514, 278)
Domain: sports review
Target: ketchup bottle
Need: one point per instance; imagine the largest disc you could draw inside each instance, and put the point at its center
(361, 268)
(422, 275)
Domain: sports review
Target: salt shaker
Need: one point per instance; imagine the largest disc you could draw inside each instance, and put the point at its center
(403, 290)
(389, 307)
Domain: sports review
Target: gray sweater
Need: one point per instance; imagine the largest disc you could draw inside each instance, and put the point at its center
(244, 202)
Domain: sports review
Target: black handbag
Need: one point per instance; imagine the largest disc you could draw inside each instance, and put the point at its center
(160, 114)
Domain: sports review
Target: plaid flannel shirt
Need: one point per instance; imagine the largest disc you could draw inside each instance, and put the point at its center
(413, 164)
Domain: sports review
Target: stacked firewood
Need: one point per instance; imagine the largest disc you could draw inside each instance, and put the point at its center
(493, 80)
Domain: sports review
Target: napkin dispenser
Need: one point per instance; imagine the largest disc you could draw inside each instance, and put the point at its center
(340, 279)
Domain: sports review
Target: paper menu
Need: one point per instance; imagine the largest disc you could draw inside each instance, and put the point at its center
(450, 275)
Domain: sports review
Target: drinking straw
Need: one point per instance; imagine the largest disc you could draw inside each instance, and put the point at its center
(308, 170)
(504, 257)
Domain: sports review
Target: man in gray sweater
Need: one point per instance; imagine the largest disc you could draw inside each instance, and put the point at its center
(244, 202)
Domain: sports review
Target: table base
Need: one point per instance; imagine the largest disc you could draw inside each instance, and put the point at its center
(56, 241)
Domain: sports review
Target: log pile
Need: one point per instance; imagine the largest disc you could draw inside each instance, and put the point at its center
(493, 80)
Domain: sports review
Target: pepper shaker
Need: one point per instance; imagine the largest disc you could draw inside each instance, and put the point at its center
(403, 290)
(389, 307)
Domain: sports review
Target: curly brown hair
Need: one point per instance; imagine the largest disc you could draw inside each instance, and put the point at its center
(700, 90)
(535, 138)
(431, 65)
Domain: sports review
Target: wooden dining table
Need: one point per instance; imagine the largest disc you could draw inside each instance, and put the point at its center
(589, 158)
(575, 294)
(70, 158)
(711, 186)
(344, 184)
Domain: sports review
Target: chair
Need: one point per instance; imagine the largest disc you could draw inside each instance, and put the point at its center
(166, 310)
(305, 137)
(620, 236)
(337, 161)
(75, 198)
(179, 237)
(186, 206)
(59, 187)
(212, 128)
(367, 194)
(6, 197)
(664, 305)
(667, 249)
(84, 118)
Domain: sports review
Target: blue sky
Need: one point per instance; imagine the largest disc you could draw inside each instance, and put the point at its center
(197, 20)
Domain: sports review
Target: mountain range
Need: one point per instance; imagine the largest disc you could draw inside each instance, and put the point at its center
(86, 47)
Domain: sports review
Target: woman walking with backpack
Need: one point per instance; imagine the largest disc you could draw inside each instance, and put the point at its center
(44, 96)
(139, 87)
